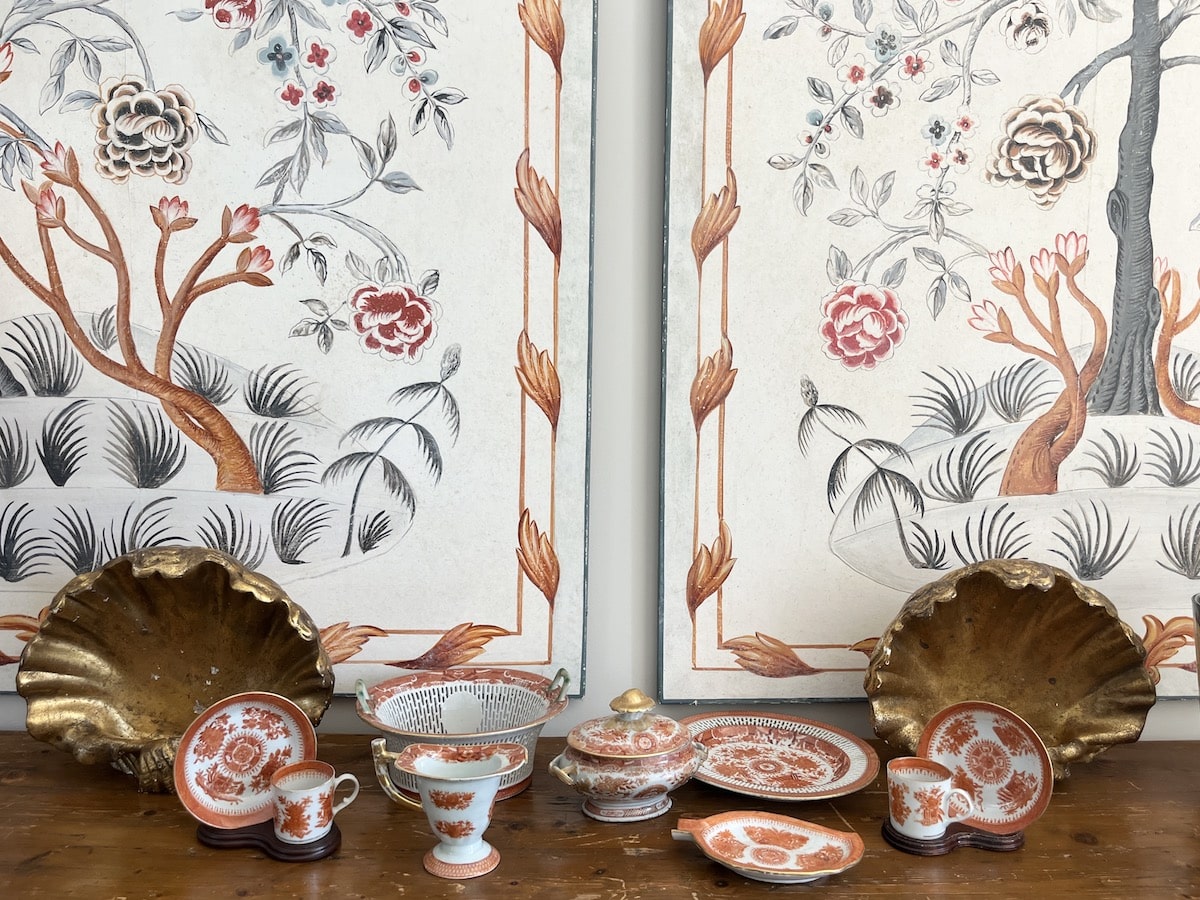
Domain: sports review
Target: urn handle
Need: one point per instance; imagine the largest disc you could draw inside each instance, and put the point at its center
(557, 688)
(364, 699)
(563, 771)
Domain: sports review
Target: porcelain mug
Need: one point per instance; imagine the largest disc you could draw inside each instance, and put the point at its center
(302, 798)
(922, 802)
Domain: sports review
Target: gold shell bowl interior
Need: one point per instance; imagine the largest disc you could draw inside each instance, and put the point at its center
(1021, 634)
(130, 654)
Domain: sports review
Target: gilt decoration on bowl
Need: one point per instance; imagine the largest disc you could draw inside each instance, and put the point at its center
(1020, 634)
(130, 654)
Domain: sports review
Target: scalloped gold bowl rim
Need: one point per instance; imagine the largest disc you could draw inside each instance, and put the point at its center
(61, 719)
(901, 728)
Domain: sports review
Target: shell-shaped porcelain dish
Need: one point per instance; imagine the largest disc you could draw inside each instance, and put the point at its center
(130, 654)
(769, 847)
(1020, 634)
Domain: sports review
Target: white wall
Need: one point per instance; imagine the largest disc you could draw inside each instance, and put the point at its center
(622, 642)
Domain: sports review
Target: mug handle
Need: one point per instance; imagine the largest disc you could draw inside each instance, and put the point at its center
(959, 805)
(340, 780)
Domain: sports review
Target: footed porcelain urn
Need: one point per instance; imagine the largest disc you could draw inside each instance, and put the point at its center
(625, 765)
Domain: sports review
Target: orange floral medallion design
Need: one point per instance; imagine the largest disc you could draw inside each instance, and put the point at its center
(460, 828)
(929, 801)
(988, 761)
(898, 803)
(292, 817)
(451, 799)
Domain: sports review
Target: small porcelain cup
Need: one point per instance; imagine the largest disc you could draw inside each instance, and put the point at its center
(922, 802)
(302, 797)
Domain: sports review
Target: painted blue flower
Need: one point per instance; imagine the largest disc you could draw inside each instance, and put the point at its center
(884, 42)
(825, 12)
(937, 130)
(334, 2)
(814, 117)
(279, 55)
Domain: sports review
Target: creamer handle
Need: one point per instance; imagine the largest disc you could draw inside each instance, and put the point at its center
(383, 759)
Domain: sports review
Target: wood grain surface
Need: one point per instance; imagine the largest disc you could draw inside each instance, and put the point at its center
(1124, 825)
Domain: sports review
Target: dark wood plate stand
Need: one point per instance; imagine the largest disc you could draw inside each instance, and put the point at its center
(957, 835)
(261, 836)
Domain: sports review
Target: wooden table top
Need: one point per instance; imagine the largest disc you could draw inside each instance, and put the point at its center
(1124, 825)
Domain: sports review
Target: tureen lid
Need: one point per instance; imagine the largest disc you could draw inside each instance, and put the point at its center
(631, 732)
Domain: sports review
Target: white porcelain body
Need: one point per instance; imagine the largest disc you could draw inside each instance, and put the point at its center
(457, 786)
(302, 799)
(922, 802)
(627, 789)
(507, 705)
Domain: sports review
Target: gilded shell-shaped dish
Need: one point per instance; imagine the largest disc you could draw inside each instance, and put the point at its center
(130, 654)
(1020, 634)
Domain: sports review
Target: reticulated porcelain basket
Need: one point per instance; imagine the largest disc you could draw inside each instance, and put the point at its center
(464, 706)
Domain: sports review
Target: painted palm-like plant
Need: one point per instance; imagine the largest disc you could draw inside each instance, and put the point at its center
(361, 463)
(63, 444)
(883, 483)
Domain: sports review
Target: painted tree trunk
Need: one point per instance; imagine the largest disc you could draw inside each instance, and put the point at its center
(1126, 383)
(1036, 456)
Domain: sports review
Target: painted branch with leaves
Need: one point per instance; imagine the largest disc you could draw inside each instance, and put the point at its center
(1174, 323)
(1045, 444)
(198, 418)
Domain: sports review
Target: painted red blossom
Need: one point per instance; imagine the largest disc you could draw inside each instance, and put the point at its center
(863, 324)
(233, 14)
(291, 94)
(394, 321)
(325, 93)
(359, 23)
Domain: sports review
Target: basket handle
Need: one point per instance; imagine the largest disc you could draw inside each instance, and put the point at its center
(558, 685)
(364, 699)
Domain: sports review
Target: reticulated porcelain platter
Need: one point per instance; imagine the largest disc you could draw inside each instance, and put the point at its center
(781, 757)
(770, 847)
(226, 758)
(997, 758)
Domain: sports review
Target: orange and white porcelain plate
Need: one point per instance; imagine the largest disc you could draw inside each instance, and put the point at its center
(781, 757)
(996, 757)
(225, 760)
(770, 847)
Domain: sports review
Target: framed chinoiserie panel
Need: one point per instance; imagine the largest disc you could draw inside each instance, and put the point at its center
(930, 282)
(307, 281)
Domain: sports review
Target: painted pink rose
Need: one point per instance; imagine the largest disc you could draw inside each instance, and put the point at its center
(863, 323)
(394, 321)
(233, 14)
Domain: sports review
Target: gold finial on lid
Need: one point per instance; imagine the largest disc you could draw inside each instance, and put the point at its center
(631, 701)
